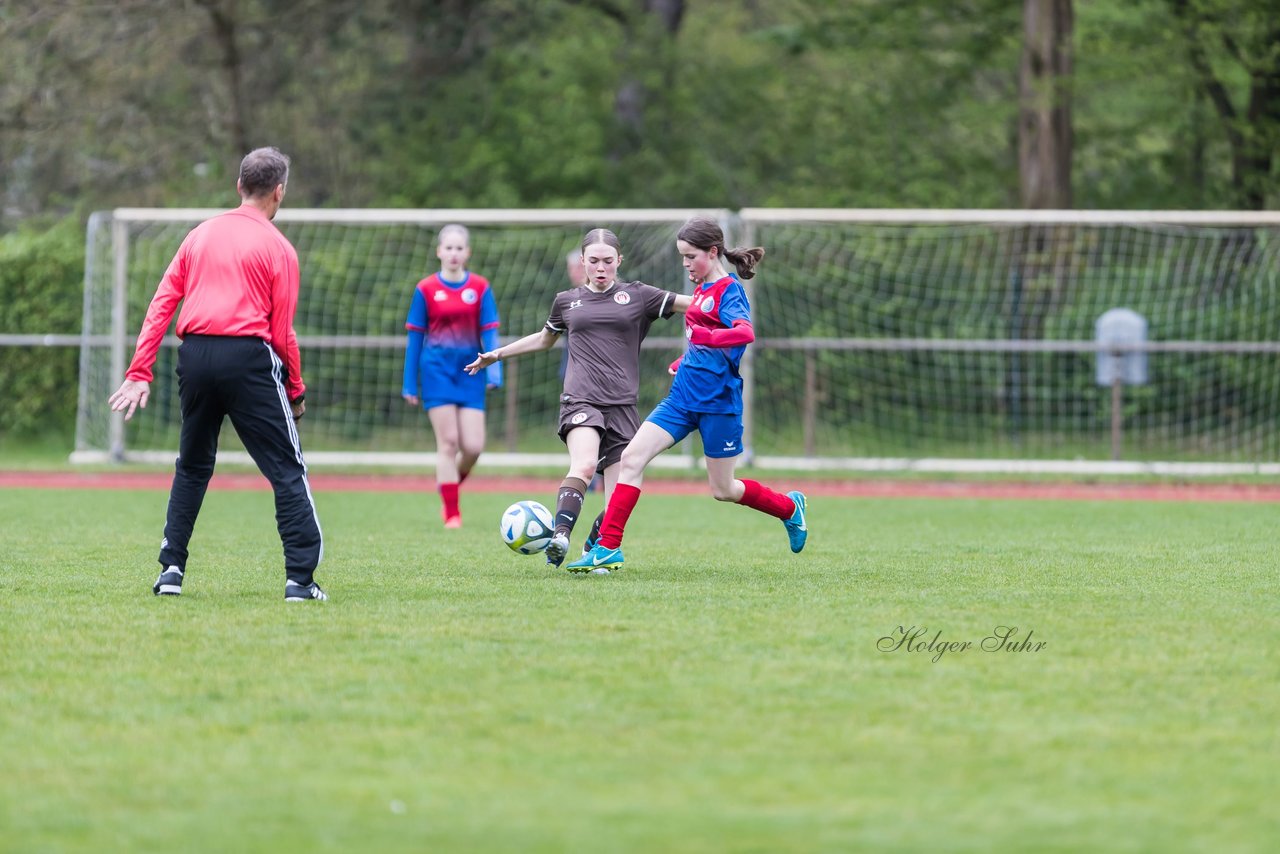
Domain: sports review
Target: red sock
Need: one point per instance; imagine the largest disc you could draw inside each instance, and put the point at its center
(617, 513)
(757, 496)
(449, 495)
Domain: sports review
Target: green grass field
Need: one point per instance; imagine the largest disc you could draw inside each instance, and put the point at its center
(719, 694)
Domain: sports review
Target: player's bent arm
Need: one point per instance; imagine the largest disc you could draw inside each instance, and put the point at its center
(682, 302)
(740, 333)
(543, 339)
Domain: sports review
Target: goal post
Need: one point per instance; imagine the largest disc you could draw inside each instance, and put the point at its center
(925, 340)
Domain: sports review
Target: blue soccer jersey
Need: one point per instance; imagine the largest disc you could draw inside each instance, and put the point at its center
(708, 378)
(448, 324)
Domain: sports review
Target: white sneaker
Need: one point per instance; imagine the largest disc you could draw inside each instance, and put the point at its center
(557, 549)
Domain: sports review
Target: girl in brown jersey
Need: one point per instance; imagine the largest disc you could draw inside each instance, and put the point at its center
(606, 320)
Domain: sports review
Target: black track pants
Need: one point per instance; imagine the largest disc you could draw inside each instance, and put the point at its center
(242, 378)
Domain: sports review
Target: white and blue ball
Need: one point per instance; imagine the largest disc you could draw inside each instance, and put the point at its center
(527, 527)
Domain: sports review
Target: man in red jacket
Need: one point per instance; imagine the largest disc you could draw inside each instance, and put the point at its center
(236, 276)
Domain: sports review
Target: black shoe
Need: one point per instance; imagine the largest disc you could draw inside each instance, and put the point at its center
(169, 583)
(295, 592)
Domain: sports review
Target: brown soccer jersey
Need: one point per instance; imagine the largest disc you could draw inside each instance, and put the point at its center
(605, 331)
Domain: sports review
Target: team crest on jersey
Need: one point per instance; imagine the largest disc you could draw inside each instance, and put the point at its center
(440, 296)
(469, 296)
(622, 298)
(708, 304)
(579, 418)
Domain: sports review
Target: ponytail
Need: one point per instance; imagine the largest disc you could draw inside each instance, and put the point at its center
(745, 260)
(706, 234)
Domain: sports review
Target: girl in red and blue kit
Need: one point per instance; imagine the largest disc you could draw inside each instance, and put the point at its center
(453, 314)
(706, 396)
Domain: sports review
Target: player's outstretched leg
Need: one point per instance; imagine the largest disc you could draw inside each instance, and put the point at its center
(607, 552)
(568, 507)
(797, 530)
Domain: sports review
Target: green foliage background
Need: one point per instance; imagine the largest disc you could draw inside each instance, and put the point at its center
(41, 289)
(588, 103)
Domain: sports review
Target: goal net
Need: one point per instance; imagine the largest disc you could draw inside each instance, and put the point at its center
(359, 271)
(927, 340)
(966, 340)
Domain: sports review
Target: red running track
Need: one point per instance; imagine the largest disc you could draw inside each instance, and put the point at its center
(847, 488)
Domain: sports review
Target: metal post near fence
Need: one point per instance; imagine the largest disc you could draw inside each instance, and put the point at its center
(1115, 331)
(810, 403)
(511, 415)
(741, 233)
(119, 317)
(1117, 412)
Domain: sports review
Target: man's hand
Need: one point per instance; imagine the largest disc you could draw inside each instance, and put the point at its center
(411, 399)
(299, 408)
(674, 366)
(132, 394)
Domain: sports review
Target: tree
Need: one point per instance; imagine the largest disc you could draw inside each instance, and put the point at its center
(224, 20)
(647, 58)
(1044, 93)
(1234, 50)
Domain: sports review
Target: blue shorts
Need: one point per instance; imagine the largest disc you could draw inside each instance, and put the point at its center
(445, 384)
(721, 431)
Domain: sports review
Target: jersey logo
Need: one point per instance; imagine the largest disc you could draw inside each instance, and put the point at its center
(469, 296)
(579, 418)
(708, 304)
(575, 304)
(622, 298)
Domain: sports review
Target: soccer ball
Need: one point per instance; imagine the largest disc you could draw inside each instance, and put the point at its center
(527, 527)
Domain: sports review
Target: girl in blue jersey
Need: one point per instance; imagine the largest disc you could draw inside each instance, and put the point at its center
(706, 396)
(452, 314)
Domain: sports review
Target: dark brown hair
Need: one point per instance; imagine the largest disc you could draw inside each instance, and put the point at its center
(601, 235)
(262, 170)
(705, 233)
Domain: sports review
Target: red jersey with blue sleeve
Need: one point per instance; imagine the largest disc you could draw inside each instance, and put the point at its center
(708, 378)
(448, 323)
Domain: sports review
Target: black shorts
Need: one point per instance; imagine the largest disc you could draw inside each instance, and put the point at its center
(617, 425)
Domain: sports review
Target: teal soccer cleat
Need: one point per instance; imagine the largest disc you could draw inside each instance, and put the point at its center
(599, 557)
(797, 532)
